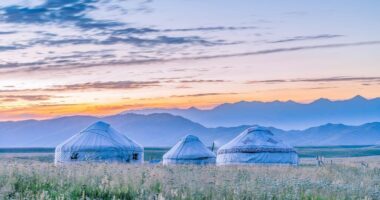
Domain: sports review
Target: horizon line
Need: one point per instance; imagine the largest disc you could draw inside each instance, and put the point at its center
(131, 111)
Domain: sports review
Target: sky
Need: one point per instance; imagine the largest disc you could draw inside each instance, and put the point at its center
(102, 57)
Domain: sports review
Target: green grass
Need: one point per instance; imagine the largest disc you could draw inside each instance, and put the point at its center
(339, 151)
(154, 153)
(27, 150)
(29, 179)
(33, 176)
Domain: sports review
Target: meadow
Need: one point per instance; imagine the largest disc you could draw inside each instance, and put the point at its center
(32, 175)
(344, 179)
(154, 154)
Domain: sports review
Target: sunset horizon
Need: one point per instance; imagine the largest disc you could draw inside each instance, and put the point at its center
(109, 109)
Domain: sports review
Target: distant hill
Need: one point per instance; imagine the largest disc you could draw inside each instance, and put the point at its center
(332, 134)
(163, 130)
(285, 115)
(151, 130)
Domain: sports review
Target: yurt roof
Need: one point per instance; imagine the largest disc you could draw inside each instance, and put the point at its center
(97, 136)
(254, 140)
(189, 147)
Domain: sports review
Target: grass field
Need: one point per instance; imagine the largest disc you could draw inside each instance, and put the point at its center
(155, 154)
(32, 175)
(346, 178)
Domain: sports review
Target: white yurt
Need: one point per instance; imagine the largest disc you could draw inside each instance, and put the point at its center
(189, 150)
(99, 143)
(256, 145)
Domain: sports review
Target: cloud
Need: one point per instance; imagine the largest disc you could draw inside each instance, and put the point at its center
(13, 46)
(56, 11)
(131, 30)
(7, 48)
(161, 40)
(81, 64)
(137, 41)
(211, 28)
(203, 94)
(268, 81)
(74, 13)
(25, 64)
(342, 78)
(111, 85)
(7, 32)
(87, 23)
(80, 55)
(339, 78)
(318, 80)
(252, 53)
(319, 88)
(106, 85)
(71, 41)
(203, 81)
(12, 98)
(302, 38)
(289, 49)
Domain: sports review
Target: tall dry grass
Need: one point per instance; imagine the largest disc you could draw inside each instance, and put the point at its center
(28, 179)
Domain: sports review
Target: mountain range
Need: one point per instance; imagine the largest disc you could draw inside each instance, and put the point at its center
(285, 115)
(164, 130)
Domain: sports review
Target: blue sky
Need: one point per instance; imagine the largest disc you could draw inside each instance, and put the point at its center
(103, 56)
